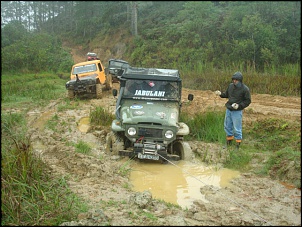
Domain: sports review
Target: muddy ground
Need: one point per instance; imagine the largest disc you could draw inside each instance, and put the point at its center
(99, 179)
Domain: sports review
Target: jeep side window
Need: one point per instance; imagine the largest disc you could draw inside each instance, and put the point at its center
(100, 67)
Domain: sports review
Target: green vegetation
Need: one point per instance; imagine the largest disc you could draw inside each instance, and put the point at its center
(82, 147)
(29, 194)
(259, 83)
(101, 117)
(30, 90)
(206, 126)
(53, 122)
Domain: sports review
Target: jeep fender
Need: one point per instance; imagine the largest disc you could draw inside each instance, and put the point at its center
(183, 129)
(116, 126)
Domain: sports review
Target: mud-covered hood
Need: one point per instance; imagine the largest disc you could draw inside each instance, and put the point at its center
(139, 111)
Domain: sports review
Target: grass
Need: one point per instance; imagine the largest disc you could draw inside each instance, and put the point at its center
(29, 194)
(53, 122)
(100, 117)
(30, 89)
(82, 147)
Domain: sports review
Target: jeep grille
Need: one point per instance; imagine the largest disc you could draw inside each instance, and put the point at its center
(150, 132)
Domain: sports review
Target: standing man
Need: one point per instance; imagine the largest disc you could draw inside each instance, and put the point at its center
(239, 98)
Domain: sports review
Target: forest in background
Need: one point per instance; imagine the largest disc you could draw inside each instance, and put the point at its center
(197, 37)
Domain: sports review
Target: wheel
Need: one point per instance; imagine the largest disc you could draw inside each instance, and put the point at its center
(109, 82)
(99, 91)
(176, 148)
(182, 149)
(113, 144)
(188, 153)
(70, 94)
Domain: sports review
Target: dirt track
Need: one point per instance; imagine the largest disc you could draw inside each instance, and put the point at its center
(251, 200)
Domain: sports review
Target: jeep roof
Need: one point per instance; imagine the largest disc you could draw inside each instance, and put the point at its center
(151, 74)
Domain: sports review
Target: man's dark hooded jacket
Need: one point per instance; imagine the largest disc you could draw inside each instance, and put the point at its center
(238, 93)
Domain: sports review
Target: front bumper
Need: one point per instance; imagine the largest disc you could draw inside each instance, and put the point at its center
(148, 150)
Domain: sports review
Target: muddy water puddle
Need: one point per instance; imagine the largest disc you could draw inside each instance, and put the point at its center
(178, 183)
(84, 124)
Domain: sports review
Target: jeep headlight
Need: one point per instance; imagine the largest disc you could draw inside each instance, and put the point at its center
(131, 131)
(169, 134)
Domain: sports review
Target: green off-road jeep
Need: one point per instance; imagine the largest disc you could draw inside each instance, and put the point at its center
(147, 116)
(88, 78)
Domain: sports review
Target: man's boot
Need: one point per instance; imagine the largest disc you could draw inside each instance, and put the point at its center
(238, 144)
(229, 142)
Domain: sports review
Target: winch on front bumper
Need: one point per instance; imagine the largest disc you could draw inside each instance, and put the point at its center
(81, 85)
(149, 150)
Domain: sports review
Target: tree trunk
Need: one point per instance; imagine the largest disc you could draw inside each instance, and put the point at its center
(134, 18)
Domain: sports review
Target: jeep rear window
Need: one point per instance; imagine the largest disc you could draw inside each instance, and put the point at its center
(153, 90)
(84, 69)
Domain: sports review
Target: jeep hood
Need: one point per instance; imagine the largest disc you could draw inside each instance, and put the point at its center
(143, 111)
(84, 76)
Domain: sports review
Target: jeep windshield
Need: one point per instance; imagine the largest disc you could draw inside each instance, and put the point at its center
(152, 90)
(84, 69)
(117, 64)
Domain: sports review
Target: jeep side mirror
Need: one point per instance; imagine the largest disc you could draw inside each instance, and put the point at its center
(114, 92)
(190, 97)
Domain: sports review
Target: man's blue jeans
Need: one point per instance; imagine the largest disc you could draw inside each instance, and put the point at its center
(233, 124)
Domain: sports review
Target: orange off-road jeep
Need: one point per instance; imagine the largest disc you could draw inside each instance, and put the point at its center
(88, 78)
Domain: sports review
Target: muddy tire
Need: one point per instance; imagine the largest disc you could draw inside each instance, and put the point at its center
(70, 94)
(188, 153)
(113, 144)
(182, 149)
(99, 91)
(109, 82)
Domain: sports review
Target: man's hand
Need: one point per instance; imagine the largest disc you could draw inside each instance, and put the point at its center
(217, 92)
(235, 106)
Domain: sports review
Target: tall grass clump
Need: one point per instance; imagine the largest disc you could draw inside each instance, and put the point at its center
(205, 126)
(29, 195)
(83, 147)
(101, 117)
